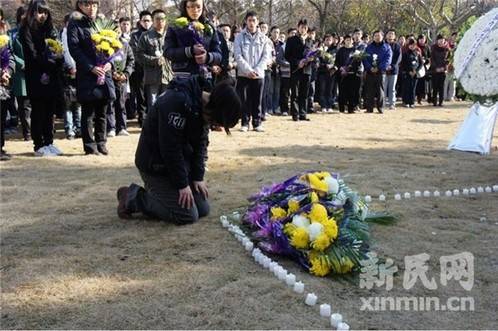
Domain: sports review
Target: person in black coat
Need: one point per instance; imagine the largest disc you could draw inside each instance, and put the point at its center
(93, 97)
(172, 151)
(188, 57)
(296, 49)
(350, 72)
(43, 75)
(411, 63)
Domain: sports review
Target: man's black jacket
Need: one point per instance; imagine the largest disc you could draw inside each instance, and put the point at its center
(174, 137)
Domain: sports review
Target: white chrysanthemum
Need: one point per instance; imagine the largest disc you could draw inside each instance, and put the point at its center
(315, 230)
(333, 185)
(481, 74)
(300, 221)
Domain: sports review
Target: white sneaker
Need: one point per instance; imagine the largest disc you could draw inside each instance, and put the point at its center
(123, 133)
(259, 129)
(54, 150)
(40, 151)
(111, 134)
(329, 110)
(244, 128)
(285, 114)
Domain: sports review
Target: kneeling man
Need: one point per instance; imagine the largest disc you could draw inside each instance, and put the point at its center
(172, 151)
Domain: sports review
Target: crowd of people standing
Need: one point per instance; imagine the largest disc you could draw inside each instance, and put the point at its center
(275, 72)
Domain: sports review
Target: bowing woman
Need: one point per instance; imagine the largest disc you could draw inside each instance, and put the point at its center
(187, 56)
(92, 96)
(43, 72)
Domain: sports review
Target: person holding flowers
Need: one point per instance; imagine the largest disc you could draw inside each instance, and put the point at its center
(411, 63)
(157, 69)
(191, 42)
(349, 61)
(94, 83)
(43, 68)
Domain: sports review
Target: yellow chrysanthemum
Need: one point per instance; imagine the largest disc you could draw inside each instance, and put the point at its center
(321, 242)
(293, 206)
(109, 33)
(322, 175)
(278, 213)
(96, 38)
(198, 26)
(300, 238)
(346, 266)
(181, 22)
(110, 51)
(98, 48)
(289, 229)
(318, 213)
(116, 44)
(4, 40)
(316, 183)
(330, 228)
(105, 46)
(314, 197)
(319, 267)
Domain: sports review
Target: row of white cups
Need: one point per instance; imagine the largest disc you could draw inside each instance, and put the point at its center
(436, 194)
(283, 275)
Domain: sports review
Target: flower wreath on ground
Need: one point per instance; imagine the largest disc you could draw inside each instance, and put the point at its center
(315, 219)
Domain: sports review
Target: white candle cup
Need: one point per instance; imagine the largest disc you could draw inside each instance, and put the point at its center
(456, 193)
(272, 266)
(448, 193)
(368, 199)
(465, 191)
(325, 310)
(266, 263)
(437, 194)
(495, 188)
(335, 320)
(382, 197)
(480, 190)
(397, 197)
(282, 274)
(427, 194)
(277, 270)
(310, 299)
(343, 326)
(473, 191)
(407, 195)
(290, 279)
(249, 246)
(488, 189)
(299, 287)
(418, 194)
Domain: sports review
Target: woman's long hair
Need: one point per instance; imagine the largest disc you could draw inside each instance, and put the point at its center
(183, 11)
(37, 6)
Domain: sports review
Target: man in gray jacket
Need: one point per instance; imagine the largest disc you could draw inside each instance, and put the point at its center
(253, 52)
(157, 69)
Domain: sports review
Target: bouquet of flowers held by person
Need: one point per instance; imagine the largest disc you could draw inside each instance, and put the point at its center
(193, 32)
(310, 56)
(55, 52)
(106, 42)
(328, 59)
(355, 59)
(315, 219)
(4, 65)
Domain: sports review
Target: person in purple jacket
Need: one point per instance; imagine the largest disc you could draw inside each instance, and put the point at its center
(376, 64)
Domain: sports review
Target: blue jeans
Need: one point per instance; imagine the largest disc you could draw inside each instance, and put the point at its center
(72, 119)
(390, 89)
(275, 92)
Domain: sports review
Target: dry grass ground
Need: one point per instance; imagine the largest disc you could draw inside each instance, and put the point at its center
(68, 262)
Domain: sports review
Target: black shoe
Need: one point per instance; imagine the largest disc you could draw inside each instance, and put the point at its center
(122, 195)
(102, 149)
(27, 137)
(369, 111)
(92, 152)
(295, 118)
(303, 118)
(380, 110)
(4, 156)
(434, 104)
(440, 105)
